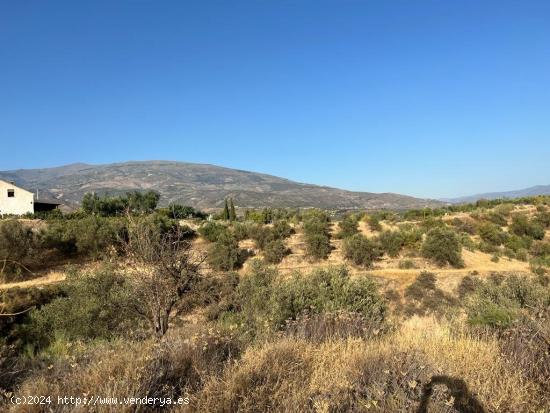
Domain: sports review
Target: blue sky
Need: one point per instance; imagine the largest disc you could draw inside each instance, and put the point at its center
(427, 98)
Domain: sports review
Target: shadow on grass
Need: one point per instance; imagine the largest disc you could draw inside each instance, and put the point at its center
(464, 401)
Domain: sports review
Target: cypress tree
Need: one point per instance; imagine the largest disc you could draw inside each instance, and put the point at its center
(232, 213)
(226, 211)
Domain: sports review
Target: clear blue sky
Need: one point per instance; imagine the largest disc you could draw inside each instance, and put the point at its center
(428, 98)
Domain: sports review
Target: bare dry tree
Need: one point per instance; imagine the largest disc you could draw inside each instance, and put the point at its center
(163, 268)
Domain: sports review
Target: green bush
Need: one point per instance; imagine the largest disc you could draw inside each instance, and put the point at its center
(18, 250)
(500, 301)
(540, 248)
(317, 246)
(443, 246)
(177, 211)
(348, 227)
(542, 218)
(316, 222)
(262, 235)
(522, 226)
(431, 223)
(496, 218)
(466, 225)
(275, 251)
(360, 250)
(241, 230)
(96, 305)
(489, 314)
(282, 230)
(492, 234)
(374, 223)
(225, 254)
(410, 235)
(391, 242)
(516, 243)
(211, 231)
(467, 286)
(267, 301)
(467, 242)
(134, 202)
(91, 236)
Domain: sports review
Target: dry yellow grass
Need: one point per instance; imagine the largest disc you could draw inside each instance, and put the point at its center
(291, 375)
(49, 278)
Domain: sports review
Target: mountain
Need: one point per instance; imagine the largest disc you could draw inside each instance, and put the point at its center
(199, 185)
(531, 191)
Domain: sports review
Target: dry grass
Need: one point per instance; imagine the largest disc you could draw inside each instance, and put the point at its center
(50, 278)
(292, 375)
(172, 368)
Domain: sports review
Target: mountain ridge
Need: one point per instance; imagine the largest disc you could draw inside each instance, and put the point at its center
(199, 185)
(517, 193)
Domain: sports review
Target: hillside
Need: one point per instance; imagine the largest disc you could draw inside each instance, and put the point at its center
(199, 185)
(519, 193)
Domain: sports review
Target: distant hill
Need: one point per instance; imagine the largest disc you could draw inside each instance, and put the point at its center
(199, 185)
(532, 191)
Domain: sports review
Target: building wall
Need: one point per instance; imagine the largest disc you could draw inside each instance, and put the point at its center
(21, 203)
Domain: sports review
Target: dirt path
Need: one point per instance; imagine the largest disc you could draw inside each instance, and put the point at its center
(50, 278)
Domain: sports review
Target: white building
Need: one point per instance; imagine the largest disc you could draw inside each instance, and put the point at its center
(18, 201)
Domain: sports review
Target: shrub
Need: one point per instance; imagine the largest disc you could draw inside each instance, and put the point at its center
(467, 286)
(406, 265)
(487, 248)
(318, 246)
(391, 242)
(225, 254)
(327, 290)
(489, 314)
(275, 251)
(135, 202)
(492, 234)
(410, 235)
(499, 301)
(18, 250)
(317, 234)
(431, 223)
(267, 302)
(281, 229)
(374, 223)
(522, 226)
(96, 305)
(443, 246)
(540, 248)
(467, 242)
(497, 218)
(177, 211)
(542, 218)
(516, 243)
(316, 222)
(348, 227)
(211, 231)
(360, 250)
(261, 235)
(466, 225)
(92, 235)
